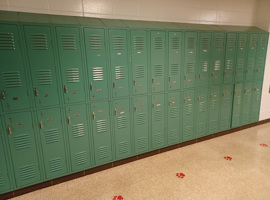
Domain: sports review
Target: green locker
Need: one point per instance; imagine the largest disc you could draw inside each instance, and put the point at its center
(174, 118)
(13, 86)
(139, 63)
(122, 130)
(214, 110)
(42, 64)
(96, 59)
(202, 103)
(52, 141)
(175, 60)
(237, 104)
(188, 115)
(217, 58)
(158, 121)
(241, 57)
(78, 134)
(204, 59)
(119, 62)
(246, 104)
(69, 49)
(256, 101)
(261, 56)
(158, 60)
(141, 124)
(251, 56)
(101, 132)
(226, 107)
(190, 59)
(230, 58)
(4, 175)
(23, 148)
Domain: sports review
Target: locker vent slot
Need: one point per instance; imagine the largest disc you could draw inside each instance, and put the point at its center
(80, 158)
(188, 131)
(98, 74)
(119, 72)
(141, 119)
(121, 122)
(141, 142)
(103, 152)
(22, 141)
(51, 136)
(118, 43)
(158, 70)
(138, 43)
(44, 77)
(205, 43)
(101, 126)
(202, 107)
(12, 79)
(158, 138)
(229, 64)
(226, 103)
(123, 147)
(243, 41)
(214, 105)
(201, 127)
(95, 42)
(231, 43)
(240, 63)
(174, 134)
(213, 125)
(174, 112)
(217, 65)
(253, 42)
(175, 43)
(219, 43)
(158, 43)
(139, 72)
(1, 179)
(78, 130)
(39, 41)
(27, 172)
(204, 66)
(238, 99)
(174, 69)
(72, 75)
(158, 115)
(190, 68)
(68, 42)
(188, 109)
(251, 62)
(7, 41)
(191, 43)
(55, 164)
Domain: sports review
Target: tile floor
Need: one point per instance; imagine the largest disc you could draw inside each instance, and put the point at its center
(207, 174)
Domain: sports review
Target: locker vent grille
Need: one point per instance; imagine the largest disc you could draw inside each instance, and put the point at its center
(226, 103)
(138, 43)
(7, 41)
(158, 138)
(214, 104)
(141, 119)
(231, 42)
(188, 109)
(174, 69)
(158, 115)
(217, 65)
(98, 74)
(188, 131)
(202, 107)
(175, 42)
(158, 43)
(103, 152)
(158, 70)
(101, 126)
(72, 75)
(251, 62)
(174, 112)
(78, 130)
(243, 41)
(55, 164)
(174, 134)
(253, 42)
(213, 125)
(119, 72)
(118, 43)
(1, 179)
(141, 142)
(190, 68)
(44, 77)
(121, 122)
(12, 79)
(51, 136)
(123, 147)
(39, 41)
(27, 172)
(95, 42)
(204, 66)
(22, 141)
(229, 64)
(191, 43)
(139, 72)
(240, 63)
(69, 42)
(238, 99)
(219, 43)
(80, 158)
(205, 43)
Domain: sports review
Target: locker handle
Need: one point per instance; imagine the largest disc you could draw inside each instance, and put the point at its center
(199, 99)
(223, 94)
(68, 119)
(65, 89)
(114, 85)
(185, 77)
(170, 78)
(212, 96)
(91, 87)
(94, 116)
(135, 108)
(153, 81)
(115, 112)
(247, 71)
(199, 76)
(212, 74)
(9, 130)
(36, 92)
(184, 100)
(134, 83)
(170, 103)
(41, 124)
(153, 105)
(3, 95)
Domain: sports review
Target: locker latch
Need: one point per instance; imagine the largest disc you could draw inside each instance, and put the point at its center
(94, 116)
(199, 99)
(36, 92)
(153, 81)
(91, 87)
(199, 76)
(68, 119)
(9, 130)
(153, 105)
(170, 78)
(115, 112)
(41, 124)
(135, 108)
(134, 83)
(212, 74)
(113, 85)
(65, 89)
(3, 95)
(212, 96)
(170, 103)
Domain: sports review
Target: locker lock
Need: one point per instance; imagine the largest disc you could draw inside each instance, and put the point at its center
(3, 95)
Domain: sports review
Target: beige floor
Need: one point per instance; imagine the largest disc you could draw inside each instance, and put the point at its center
(207, 174)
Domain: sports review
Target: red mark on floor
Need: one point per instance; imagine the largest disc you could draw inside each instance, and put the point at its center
(118, 197)
(180, 175)
(227, 158)
(264, 145)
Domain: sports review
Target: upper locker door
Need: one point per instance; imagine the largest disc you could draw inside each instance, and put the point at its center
(241, 57)
(226, 107)
(96, 63)
(139, 61)
(78, 134)
(214, 109)
(158, 60)
(42, 64)
(256, 101)
(204, 59)
(175, 60)
(237, 104)
(174, 118)
(141, 124)
(246, 104)
(190, 59)
(261, 56)
(188, 115)
(4, 175)
(71, 64)
(202, 111)
(23, 148)
(119, 62)
(158, 124)
(13, 86)
(52, 140)
(217, 58)
(251, 56)
(122, 130)
(230, 63)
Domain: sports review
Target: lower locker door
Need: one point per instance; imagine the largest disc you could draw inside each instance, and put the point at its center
(256, 101)
(4, 177)
(226, 107)
(188, 115)
(202, 112)
(78, 134)
(52, 140)
(237, 103)
(246, 109)
(214, 110)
